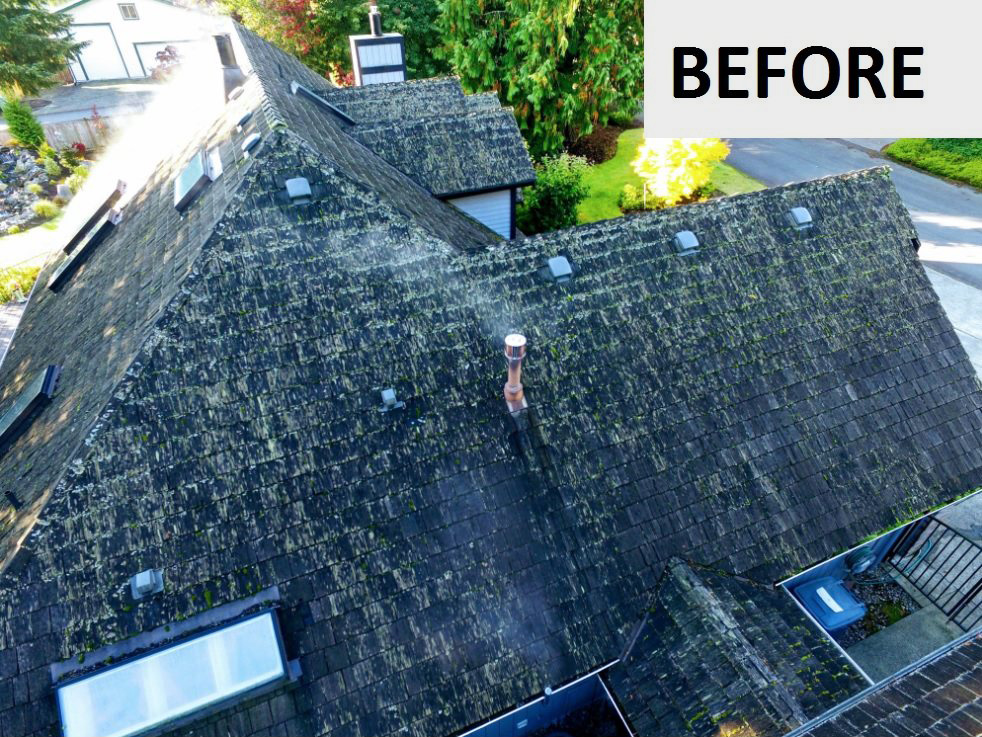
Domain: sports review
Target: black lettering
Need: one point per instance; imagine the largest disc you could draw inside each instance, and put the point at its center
(726, 70)
(798, 72)
(869, 73)
(900, 70)
(764, 71)
(682, 71)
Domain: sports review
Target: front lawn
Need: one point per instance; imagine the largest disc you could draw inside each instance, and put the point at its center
(955, 158)
(605, 181)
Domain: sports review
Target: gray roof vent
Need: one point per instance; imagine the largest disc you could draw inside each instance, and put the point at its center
(236, 92)
(250, 143)
(389, 401)
(560, 269)
(685, 241)
(298, 190)
(243, 120)
(800, 218)
(147, 583)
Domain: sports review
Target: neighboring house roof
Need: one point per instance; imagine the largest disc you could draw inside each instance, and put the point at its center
(75, 3)
(720, 654)
(940, 697)
(449, 142)
(754, 407)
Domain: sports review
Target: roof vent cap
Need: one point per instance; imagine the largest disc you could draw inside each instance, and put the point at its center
(390, 401)
(686, 241)
(234, 94)
(298, 189)
(250, 142)
(147, 583)
(243, 120)
(560, 269)
(800, 218)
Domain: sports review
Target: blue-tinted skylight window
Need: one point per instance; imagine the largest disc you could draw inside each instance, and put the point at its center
(167, 685)
(203, 167)
(34, 394)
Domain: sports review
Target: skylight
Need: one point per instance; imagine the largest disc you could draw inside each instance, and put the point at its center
(172, 683)
(81, 252)
(201, 169)
(100, 211)
(34, 395)
(301, 91)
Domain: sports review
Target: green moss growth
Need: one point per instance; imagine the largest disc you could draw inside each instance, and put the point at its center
(955, 158)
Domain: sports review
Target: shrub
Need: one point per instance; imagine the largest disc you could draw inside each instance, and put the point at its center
(81, 171)
(45, 208)
(52, 167)
(75, 183)
(33, 187)
(599, 146)
(955, 158)
(13, 230)
(24, 127)
(631, 198)
(676, 170)
(551, 203)
(16, 279)
(69, 157)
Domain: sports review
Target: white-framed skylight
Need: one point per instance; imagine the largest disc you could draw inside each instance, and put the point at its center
(100, 212)
(83, 248)
(202, 168)
(39, 390)
(172, 684)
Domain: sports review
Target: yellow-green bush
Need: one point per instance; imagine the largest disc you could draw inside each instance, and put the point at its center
(17, 277)
(45, 208)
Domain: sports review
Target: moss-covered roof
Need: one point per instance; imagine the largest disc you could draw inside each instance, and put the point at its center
(755, 407)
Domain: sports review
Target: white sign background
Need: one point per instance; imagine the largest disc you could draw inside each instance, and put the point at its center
(951, 68)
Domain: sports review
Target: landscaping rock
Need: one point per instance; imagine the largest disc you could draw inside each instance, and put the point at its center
(18, 168)
(64, 191)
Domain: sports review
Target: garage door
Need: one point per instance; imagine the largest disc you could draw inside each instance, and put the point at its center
(100, 59)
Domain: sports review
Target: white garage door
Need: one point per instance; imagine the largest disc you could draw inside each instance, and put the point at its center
(100, 59)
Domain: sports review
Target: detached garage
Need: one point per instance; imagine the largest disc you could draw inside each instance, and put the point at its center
(123, 38)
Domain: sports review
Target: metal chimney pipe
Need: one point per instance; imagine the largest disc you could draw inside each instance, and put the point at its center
(515, 352)
(375, 20)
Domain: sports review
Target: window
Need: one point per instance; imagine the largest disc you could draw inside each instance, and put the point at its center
(201, 169)
(128, 11)
(34, 395)
(175, 682)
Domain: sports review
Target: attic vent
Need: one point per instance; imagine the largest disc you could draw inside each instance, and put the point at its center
(685, 241)
(81, 252)
(243, 120)
(390, 401)
(100, 211)
(800, 218)
(298, 190)
(147, 583)
(560, 269)
(201, 169)
(164, 685)
(236, 93)
(39, 391)
(250, 142)
(300, 91)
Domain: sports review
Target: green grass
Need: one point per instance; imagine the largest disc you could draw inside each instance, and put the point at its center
(955, 158)
(605, 181)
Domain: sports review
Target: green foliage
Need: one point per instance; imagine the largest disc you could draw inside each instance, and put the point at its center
(17, 281)
(317, 32)
(52, 167)
(564, 65)
(631, 198)
(955, 158)
(551, 203)
(45, 208)
(34, 46)
(33, 187)
(75, 183)
(69, 157)
(23, 126)
(81, 171)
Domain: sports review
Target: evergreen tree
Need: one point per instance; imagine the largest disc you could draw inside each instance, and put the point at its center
(34, 45)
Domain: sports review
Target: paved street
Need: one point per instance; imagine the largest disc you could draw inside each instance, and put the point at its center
(948, 217)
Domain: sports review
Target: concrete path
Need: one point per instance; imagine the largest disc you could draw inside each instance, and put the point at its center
(9, 318)
(948, 217)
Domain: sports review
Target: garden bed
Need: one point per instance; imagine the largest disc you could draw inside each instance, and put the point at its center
(886, 603)
(19, 170)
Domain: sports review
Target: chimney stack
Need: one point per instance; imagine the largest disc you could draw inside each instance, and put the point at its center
(514, 393)
(377, 57)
